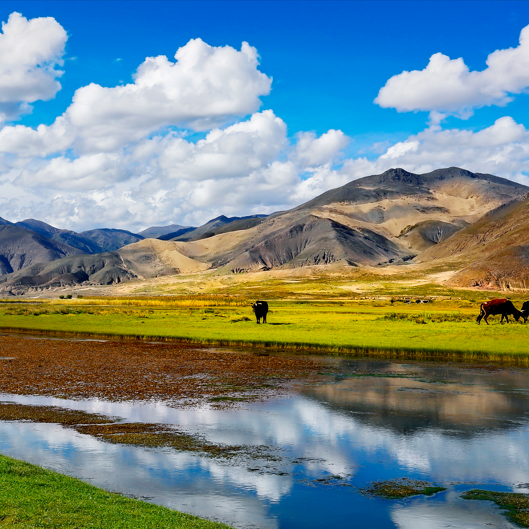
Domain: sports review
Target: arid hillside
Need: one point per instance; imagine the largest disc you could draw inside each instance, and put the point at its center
(493, 252)
(393, 218)
(380, 219)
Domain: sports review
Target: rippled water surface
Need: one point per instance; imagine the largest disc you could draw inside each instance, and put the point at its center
(461, 427)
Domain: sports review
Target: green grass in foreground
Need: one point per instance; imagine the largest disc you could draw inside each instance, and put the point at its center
(442, 329)
(31, 496)
(515, 505)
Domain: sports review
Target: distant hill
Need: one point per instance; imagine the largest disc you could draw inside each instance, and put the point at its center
(142, 260)
(103, 269)
(233, 224)
(20, 248)
(30, 242)
(91, 241)
(65, 236)
(216, 226)
(157, 231)
(175, 234)
(475, 220)
(109, 239)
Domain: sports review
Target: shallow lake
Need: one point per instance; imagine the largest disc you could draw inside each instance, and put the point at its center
(461, 427)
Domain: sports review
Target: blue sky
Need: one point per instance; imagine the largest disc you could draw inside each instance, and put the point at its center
(328, 61)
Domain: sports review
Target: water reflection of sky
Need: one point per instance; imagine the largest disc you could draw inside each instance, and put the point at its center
(467, 426)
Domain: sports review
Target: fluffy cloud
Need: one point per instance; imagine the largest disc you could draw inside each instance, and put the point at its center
(311, 151)
(501, 149)
(243, 169)
(262, 189)
(204, 88)
(42, 141)
(321, 179)
(87, 172)
(447, 86)
(29, 53)
(233, 152)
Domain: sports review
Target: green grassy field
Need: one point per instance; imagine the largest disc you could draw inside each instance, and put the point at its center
(444, 329)
(32, 497)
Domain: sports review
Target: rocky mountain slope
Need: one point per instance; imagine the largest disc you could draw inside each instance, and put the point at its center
(32, 241)
(69, 237)
(377, 220)
(20, 248)
(491, 253)
(111, 239)
(142, 260)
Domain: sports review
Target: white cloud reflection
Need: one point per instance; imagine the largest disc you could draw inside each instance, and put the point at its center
(339, 441)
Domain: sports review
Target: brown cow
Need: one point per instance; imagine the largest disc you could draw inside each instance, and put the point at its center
(498, 306)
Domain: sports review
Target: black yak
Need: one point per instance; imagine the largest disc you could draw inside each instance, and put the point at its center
(260, 308)
(525, 311)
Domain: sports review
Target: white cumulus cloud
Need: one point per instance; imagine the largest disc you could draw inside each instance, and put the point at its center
(88, 172)
(42, 141)
(30, 50)
(233, 152)
(243, 169)
(448, 86)
(501, 149)
(204, 88)
(311, 151)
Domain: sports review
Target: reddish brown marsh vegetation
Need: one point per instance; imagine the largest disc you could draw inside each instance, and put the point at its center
(113, 370)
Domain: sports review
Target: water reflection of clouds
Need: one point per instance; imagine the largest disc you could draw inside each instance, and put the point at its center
(314, 430)
(450, 511)
(341, 440)
(176, 480)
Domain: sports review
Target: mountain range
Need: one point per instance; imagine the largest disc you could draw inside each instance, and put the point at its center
(474, 221)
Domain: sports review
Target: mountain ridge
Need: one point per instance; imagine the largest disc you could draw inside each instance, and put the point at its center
(377, 220)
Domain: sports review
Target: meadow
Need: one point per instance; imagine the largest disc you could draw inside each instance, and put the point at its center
(304, 317)
(31, 496)
(443, 329)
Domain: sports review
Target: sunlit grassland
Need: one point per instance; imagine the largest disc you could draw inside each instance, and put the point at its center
(443, 329)
(292, 285)
(31, 496)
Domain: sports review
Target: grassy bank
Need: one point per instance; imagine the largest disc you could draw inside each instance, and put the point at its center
(31, 496)
(444, 329)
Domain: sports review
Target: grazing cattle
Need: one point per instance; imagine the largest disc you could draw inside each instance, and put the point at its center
(260, 308)
(497, 307)
(525, 311)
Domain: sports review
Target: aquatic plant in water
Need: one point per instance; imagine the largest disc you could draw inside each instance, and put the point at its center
(394, 489)
(515, 505)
